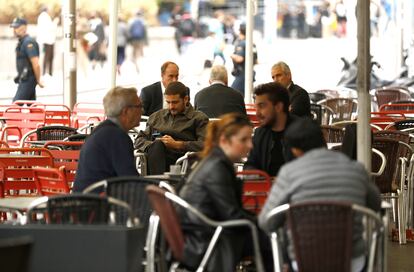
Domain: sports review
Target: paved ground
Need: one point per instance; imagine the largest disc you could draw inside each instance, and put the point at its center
(315, 64)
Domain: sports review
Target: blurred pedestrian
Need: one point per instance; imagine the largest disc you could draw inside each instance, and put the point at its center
(97, 51)
(122, 39)
(137, 37)
(27, 62)
(239, 62)
(46, 37)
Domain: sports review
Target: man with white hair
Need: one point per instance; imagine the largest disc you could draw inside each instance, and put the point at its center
(108, 151)
(298, 97)
(218, 98)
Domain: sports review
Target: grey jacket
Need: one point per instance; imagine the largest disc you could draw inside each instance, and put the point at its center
(322, 174)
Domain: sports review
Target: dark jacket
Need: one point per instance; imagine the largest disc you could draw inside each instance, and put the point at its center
(218, 99)
(260, 155)
(299, 100)
(151, 98)
(213, 190)
(108, 152)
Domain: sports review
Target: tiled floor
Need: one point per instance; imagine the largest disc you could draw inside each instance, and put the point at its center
(400, 257)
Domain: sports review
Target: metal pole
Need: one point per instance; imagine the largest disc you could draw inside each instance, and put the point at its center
(363, 85)
(248, 84)
(113, 26)
(69, 52)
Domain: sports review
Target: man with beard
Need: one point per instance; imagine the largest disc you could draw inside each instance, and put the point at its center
(269, 152)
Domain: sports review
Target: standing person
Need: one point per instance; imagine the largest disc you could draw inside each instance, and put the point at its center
(46, 36)
(122, 39)
(213, 189)
(239, 62)
(298, 97)
(137, 37)
(340, 12)
(97, 51)
(108, 151)
(27, 62)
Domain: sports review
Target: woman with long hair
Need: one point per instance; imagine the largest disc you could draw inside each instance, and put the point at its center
(214, 190)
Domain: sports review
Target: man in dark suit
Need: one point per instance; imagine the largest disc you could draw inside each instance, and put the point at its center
(298, 97)
(152, 96)
(218, 98)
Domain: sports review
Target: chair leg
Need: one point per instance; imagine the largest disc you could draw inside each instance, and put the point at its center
(401, 217)
(150, 243)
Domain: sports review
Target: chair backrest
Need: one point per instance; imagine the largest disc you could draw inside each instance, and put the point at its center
(84, 113)
(398, 106)
(130, 189)
(332, 134)
(401, 124)
(324, 229)
(342, 107)
(256, 188)
(15, 253)
(391, 149)
(65, 154)
(16, 169)
(390, 94)
(25, 118)
(73, 209)
(56, 114)
(49, 133)
(50, 181)
(170, 224)
(322, 232)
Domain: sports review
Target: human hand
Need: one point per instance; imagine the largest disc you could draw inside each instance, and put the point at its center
(170, 142)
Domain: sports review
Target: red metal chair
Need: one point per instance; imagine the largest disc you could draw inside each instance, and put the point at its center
(84, 114)
(20, 120)
(256, 188)
(16, 169)
(50, 181)
(385, 118)
(56, 114)
(65, 154)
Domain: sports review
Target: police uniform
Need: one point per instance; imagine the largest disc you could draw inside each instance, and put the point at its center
(238, 68)
(25, 50)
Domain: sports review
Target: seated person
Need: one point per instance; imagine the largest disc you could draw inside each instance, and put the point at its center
(298, 97)
(172, 132)
(214, 190)
(218, 99)
(319, 174)
(108, 151)
(269, 151)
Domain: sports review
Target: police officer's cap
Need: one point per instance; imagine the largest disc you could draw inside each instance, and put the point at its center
(18, 22)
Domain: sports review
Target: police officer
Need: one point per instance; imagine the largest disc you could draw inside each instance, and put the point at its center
(238, 58)
(27, 62)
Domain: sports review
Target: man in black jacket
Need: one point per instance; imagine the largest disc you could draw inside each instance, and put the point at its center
(298, 97)
(218, 98)
(152, 95)
(108, 151)
(269, 151)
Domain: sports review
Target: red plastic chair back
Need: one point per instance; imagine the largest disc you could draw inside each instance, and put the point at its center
(50, 181)
(16, 169)
(65, 154)
(256, 188)
(86, 113)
